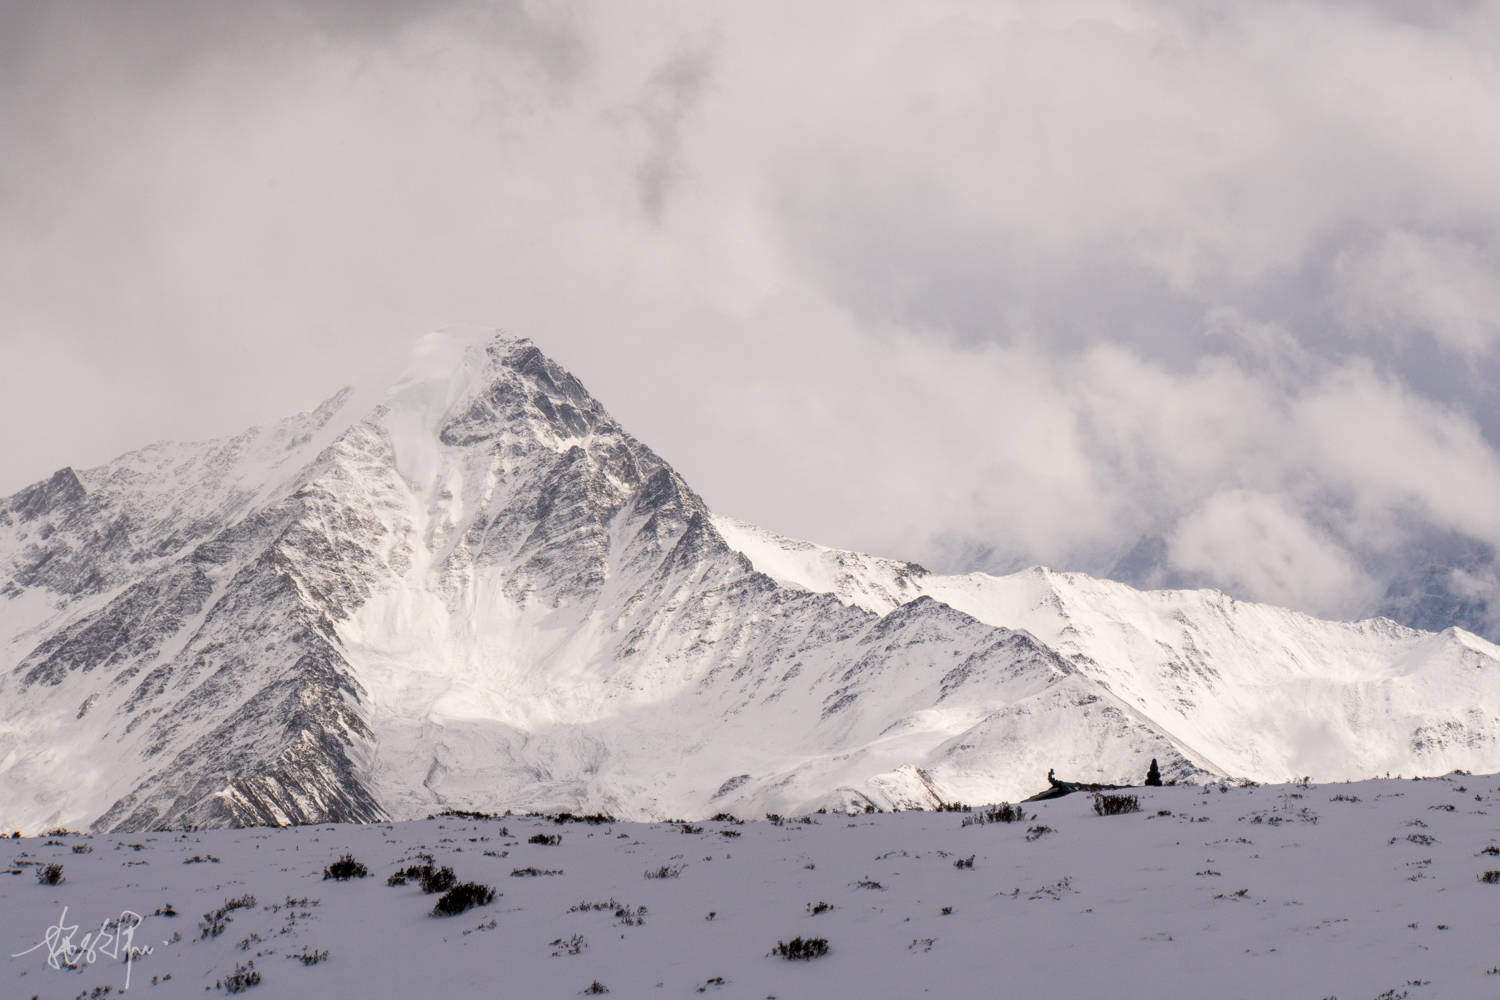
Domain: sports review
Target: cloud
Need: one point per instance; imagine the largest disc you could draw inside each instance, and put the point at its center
(1405, 283)
(973, 284)
(1260, 545)
(670, 95)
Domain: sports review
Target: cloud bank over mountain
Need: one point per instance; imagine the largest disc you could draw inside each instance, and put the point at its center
(1194, 294)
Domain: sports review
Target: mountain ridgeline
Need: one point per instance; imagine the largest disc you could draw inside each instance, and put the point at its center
(476, 590)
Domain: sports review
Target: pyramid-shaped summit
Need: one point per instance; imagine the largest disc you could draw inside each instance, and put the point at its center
(476, 590)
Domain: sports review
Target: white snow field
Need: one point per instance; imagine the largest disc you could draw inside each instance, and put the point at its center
(1366, 890)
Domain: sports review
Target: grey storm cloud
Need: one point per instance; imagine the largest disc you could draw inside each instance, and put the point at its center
(976, 284)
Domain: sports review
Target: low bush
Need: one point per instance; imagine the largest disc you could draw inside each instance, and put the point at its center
(570, 946)
(438, 880)
(243, 977)
(631, 916)
(801, 949)
(1002, 813)
(665, 871)
(464, 896)
(545, 839)
(464, 814)
(1490, 878)
(592, 819)
(431, 879)
(1116, 805)
(344, 869)
(49, 874)
(585, 906)
(420, 873)
(213, 924)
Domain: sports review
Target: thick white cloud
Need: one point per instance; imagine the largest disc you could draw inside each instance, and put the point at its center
(1260, 545)
(974, 284)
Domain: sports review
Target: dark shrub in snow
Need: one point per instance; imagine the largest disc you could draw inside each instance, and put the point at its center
(592, 819)
(432, 879)
(1115, 805)
(464, 896)
(463, 814)
(49, 874)
(439, 880)
(344, 869)
(1003, 813)
(243, 977)
(801, 948)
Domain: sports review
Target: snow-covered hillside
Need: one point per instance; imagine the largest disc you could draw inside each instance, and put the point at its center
(1255, 690)
(1367, 890)
(475, 589)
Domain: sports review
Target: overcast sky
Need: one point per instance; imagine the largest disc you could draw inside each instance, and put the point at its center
(971, 284)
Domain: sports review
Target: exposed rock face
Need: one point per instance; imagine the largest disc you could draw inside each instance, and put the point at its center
(481, 592)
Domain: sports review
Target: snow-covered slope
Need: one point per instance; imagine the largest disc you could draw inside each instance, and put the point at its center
(1358, 891)
(475, 589)
(1261, 690)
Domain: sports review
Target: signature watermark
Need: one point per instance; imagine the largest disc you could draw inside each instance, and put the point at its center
(115, 939)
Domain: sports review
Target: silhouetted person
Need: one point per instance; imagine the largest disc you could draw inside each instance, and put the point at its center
(1153, 776)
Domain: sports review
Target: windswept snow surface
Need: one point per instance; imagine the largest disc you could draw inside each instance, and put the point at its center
(1365, 890)
(474, 589)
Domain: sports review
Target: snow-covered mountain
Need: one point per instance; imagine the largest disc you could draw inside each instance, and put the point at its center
(1260, 690)
(476, 590)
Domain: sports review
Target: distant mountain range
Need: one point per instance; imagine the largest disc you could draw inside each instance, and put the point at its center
(475, 589)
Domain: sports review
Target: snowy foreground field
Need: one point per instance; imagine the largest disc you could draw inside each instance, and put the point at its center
(1363, 890)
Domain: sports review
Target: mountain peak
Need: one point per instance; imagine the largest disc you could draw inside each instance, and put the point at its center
(477, 590)
(40, 499)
